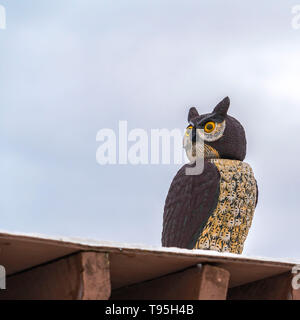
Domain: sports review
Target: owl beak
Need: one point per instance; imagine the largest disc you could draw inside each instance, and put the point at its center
(194, 135)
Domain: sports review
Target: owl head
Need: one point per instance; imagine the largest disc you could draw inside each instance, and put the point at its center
(222, 136)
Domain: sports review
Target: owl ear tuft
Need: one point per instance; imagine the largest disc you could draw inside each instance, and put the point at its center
(193, 113)
(222, 107)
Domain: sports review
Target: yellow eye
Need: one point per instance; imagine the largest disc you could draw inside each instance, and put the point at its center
(188, 130)
(209, 127)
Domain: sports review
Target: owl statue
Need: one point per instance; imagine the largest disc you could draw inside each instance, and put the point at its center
(212, 210)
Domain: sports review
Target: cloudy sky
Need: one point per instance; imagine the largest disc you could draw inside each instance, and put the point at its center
(69, 68)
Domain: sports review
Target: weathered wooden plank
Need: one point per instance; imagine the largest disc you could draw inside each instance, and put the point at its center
(84, 275)
(95, 276)
(214, 283)
(197, 283)
(273, 288)
(296, 294)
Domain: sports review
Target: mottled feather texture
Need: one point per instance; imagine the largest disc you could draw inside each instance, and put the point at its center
(227, 228)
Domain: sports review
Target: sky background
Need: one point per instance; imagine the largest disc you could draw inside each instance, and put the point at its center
(69, 68)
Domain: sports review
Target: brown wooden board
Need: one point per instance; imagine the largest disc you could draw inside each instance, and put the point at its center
(196, 283)
(273, 288)
(81, 276)
(131, 264)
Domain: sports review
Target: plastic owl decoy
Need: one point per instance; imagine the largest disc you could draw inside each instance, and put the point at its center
(212, 210)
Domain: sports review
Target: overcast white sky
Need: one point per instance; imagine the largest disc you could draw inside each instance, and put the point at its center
(69, 68)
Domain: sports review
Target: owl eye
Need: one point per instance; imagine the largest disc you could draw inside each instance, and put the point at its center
(209, 127)
(188, 130)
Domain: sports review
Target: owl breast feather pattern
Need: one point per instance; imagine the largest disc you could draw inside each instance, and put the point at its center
(227, 227)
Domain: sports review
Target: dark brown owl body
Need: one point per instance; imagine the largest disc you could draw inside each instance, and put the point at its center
(212, 210)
